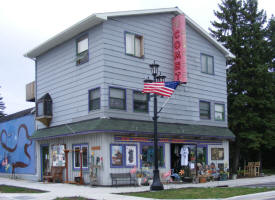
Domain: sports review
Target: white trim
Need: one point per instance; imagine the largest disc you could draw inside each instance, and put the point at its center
(98, 18)
(80, 146)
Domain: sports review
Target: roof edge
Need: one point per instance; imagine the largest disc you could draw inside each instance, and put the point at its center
(16, 115)
(97, 18)
(212, 40)
(64, 36)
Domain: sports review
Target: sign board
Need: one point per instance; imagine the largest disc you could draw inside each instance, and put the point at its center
(95, 148)
(179, 48)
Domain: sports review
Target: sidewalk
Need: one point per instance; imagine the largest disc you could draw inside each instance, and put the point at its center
(109, 193)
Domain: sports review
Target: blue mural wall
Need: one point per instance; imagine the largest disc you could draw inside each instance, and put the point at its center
(17, 150)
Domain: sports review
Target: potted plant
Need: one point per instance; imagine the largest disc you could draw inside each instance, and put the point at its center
(139, 178)
(181, 174)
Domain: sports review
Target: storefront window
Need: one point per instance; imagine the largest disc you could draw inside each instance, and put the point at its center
(58, 155)
(217, 153)
(147, 153)
(192, 159)
(116, 155)
(76, 156)
(202, 155)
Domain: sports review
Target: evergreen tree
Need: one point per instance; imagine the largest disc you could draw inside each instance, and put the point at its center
(250, 101)
(2, 107)
(271, 42)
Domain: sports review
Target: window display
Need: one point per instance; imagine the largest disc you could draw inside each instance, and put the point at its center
(58, 155)
(147, 155)
(116, 155)
(184, 156)
(131, 155)
(202, 155)
(217, 154)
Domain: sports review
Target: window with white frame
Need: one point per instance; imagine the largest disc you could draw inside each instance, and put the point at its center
(82, 50)
(219, 112)
(134, 45)
(207, 64)
(77, 150)
(117, 98)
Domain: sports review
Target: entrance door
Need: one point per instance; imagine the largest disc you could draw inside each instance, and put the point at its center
(187, 160)
(45, 160)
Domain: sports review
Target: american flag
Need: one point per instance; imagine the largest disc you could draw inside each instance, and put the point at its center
(161, 88)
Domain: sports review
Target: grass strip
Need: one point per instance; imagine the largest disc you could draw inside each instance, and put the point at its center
(199, 193)
(14, 189)
(72, 198)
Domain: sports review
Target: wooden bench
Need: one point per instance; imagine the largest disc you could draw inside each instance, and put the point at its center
(122, 177)
(56, 174)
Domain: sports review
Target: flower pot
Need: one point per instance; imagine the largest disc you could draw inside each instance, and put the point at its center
(139, 181)
(203, 179)
(234, 176)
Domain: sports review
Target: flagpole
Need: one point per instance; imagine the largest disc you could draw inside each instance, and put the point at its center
(164, 104)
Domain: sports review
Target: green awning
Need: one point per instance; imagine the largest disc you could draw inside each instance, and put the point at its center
(124, 126)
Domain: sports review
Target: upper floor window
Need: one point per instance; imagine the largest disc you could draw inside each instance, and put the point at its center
(207, 64)
(40, 109)
(44, 109)
(94, 99)
(134, 45)
(219, 112)
(117, 98)
(140, 101)
(82, 50)
(204, 110)
(80, 149)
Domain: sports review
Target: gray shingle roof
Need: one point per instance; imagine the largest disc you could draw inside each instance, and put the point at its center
(132, 126)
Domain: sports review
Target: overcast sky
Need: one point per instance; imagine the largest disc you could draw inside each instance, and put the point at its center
(26, 24)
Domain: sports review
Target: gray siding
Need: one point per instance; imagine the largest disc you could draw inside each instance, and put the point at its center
(108, 65)
(129, 72)
(68, 84)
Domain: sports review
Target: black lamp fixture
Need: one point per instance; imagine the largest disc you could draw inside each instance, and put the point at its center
(156, 185)
(148, 80)
(161, 78)
(154, 69)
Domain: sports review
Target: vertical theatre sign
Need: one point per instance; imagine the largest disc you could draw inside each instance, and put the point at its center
(179, 48)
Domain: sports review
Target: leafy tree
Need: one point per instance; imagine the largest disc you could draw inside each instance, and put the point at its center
(240, 27)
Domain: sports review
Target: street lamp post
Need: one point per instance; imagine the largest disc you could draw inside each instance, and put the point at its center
(156, 185)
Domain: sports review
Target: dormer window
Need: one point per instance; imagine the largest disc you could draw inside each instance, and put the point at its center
(44, 109)
(82, 46)
(40, 108)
